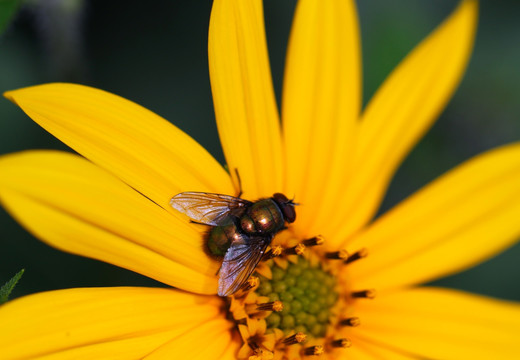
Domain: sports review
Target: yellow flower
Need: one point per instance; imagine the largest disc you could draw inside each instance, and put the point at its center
(336, 161)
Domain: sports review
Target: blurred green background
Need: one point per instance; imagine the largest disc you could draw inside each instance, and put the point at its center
(154, 53)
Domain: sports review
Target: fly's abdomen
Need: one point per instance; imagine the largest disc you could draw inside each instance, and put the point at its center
(219, 239)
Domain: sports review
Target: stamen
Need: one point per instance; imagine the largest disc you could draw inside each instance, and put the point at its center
(250, 283)
(341, 343)
(261, 354)
(317, 240)
(352, 321)
(337, 255)
(300, 299)
(368, 294)
(258, 352)
(297, 338)
(357, 255)
(314, 350)
(275, 251)
(270, 306)
(241, 321)
(253, 345)
(295, 250)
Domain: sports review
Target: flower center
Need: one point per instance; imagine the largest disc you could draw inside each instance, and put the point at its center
(308, 294)
(298, 303)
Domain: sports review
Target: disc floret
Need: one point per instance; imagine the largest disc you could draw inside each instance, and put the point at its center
(308, 294)
(299, 302)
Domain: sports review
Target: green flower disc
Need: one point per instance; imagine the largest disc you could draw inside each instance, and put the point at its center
(308, 295)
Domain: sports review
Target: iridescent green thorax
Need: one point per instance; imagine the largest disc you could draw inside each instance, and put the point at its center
(263, 217)
(308, 294)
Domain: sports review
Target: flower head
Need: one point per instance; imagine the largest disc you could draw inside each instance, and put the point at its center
(330, 280)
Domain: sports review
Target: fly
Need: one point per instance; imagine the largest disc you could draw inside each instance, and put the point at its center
(241, 230)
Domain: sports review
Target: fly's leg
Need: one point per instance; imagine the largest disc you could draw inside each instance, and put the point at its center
(239, 183)
(198, 223)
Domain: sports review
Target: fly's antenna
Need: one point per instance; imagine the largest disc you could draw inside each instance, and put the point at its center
(292, 201)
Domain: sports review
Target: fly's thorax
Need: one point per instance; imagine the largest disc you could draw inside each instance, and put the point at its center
(219, 239)
(264, 216)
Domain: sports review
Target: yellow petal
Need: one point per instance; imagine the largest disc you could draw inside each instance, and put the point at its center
(232, 350)
(442, 324)
(366, 349)
(462, 218)
(401, 111)
(208, 341)
(321, 104)
(100, 323)
(138, 146)
(243, 96)
(73, 205)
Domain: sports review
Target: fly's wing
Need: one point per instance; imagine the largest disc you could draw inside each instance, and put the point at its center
(208, 208)
(239, 263)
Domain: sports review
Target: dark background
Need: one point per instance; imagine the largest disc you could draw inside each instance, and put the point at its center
(155, 53)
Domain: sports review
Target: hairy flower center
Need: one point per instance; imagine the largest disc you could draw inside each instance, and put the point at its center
(308, 294)
(299, 302)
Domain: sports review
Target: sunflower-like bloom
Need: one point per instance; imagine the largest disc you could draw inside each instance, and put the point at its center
(334, 278)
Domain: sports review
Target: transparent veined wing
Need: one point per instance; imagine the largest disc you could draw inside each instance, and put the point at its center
(208, 208)
(239, 263)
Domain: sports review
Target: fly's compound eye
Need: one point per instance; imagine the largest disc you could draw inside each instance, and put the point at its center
(287, 207)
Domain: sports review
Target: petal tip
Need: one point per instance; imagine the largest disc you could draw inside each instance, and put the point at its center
(9, 95)
(470, 7)
(15, 95)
